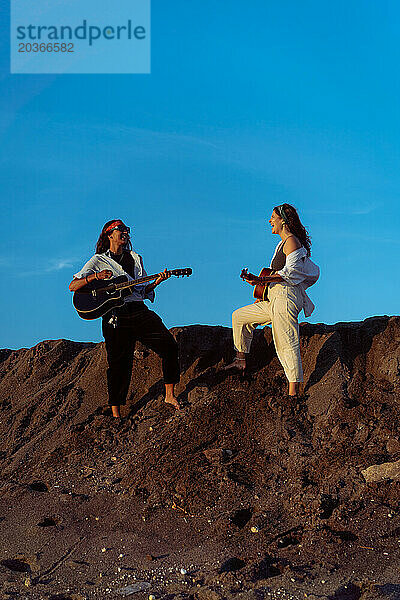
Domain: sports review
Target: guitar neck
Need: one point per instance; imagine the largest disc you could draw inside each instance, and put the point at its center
(260, 280)
(136, 281)
(126, 284)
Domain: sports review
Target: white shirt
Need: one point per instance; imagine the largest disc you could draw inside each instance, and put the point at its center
(99, 262)
(299, 270)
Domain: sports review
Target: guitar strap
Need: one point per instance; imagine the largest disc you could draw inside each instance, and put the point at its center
(128, 265)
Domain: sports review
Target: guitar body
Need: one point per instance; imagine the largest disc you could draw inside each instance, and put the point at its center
(100, 296)
(91, 303)
(260, 289)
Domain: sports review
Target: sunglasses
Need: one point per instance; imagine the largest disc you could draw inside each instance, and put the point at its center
(121, 228)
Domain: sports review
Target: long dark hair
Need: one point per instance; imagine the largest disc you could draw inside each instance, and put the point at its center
(289, 215)
(103, 243)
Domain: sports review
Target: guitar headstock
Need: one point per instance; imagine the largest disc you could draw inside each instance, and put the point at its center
(246, 276)
(182, 272)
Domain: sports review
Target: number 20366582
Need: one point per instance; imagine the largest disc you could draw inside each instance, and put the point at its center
(49, 47)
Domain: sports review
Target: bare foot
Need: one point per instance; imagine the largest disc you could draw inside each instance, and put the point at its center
(173, 401)
(239, 364)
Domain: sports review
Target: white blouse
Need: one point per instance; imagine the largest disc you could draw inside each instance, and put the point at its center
(299, 270)
(99, 262)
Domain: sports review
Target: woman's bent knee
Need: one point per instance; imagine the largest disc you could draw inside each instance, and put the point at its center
(237, 317)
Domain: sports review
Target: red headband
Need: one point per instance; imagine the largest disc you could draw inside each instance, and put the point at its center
(113, 224)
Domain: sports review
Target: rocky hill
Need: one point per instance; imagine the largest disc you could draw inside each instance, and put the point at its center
(249, 493)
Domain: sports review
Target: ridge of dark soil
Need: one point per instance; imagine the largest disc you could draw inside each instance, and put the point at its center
(254, 495)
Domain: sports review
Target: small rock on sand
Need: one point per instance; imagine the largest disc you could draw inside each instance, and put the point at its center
(140, 586)
(376, 473)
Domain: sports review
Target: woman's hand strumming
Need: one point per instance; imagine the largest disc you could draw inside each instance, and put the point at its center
(105, 274)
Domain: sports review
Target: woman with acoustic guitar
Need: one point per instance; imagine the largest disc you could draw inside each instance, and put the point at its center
(133, 320)
(280, 293)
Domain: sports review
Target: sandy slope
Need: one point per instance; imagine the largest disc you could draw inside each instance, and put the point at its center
(253, 496)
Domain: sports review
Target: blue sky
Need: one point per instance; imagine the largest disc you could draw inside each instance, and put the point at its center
(248, 105)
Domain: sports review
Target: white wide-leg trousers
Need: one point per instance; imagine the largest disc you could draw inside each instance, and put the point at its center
(281, 310)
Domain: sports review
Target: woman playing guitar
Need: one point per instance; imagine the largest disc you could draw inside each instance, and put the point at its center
(132, 321)
(280, 293)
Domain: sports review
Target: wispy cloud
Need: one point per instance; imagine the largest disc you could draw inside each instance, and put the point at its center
(52, 266)
(118, 130)
(346, 210)
(373, 240)
(62, 263)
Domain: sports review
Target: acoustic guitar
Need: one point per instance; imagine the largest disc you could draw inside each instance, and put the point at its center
(260, 289)
(100, 296)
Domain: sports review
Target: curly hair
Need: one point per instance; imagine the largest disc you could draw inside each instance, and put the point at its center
(103, 243)
(289, 215)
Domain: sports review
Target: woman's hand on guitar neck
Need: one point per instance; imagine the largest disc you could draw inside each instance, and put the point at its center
(249, 277)
(161, 277)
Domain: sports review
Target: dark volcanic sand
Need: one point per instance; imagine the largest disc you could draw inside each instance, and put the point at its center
(253, 496)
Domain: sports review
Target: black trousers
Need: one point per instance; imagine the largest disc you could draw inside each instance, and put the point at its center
(136, 322)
